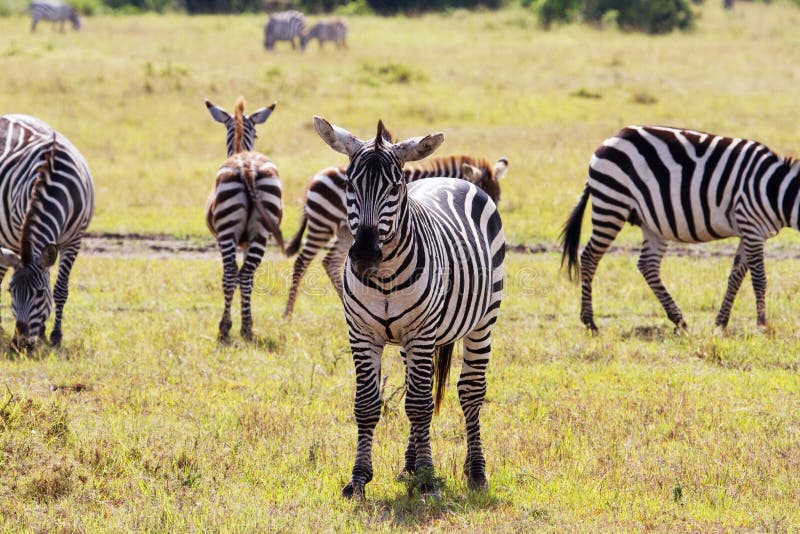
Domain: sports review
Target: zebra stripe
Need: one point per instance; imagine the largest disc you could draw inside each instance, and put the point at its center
(47, 202)
(325, 218)
(689, 186)
(328, 30)
(425, 270)
(284, 26)
(54, 12)
(243, 209)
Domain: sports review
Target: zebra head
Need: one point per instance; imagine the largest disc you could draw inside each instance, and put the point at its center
(485, 178)
(73, 18)
(241, 128)
(375, 189)
(31, 297)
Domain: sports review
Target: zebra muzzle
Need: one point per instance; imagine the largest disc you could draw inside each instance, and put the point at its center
(365, 254)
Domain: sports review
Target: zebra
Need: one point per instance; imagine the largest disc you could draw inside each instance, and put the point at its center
(325, 217)
(284, 26)
(47, 200)
(334, 30)
(53, 11)
(688, 186)
(243, 209)
(425, 269)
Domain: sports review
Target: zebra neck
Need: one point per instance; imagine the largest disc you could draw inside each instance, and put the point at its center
(397, 250)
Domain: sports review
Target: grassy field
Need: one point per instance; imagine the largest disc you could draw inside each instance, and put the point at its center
(142, 421)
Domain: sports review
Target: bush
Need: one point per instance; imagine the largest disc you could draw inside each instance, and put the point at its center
(651, 16)
(390, 7)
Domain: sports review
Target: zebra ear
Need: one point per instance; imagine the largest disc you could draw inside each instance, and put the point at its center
(337, 138)
(417, 148)
(500, 168)
(48, 257)
(9, 258)
(261, 115)
(217, 113)
(471, 173)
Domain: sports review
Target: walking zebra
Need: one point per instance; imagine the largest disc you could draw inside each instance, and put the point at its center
(47, 202)
(425, 269)
(284, 26)
(683, 185)
(243, 209)
(328, 30)
(54, 12)
(325, 217)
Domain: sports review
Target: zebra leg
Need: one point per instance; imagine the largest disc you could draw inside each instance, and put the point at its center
(419, 404)
(649, 264)
(334, 263)
(367, 409)
(61, 290)
(317, 237)
(33, 25)
(3, 270)
(471, 393)
(252, 259)
(230, 273)
(754, 252)
(411, 448)
(738, 272)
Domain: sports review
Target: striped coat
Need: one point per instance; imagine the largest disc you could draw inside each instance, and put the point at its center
(54, 12)
(687, 186)
(47, 200)
(425, 270)
(284, 26)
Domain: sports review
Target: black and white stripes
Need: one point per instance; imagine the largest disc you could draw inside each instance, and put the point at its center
(54, 12)
(683, 185)
(47, 201)
(425, 270)
(284, 26)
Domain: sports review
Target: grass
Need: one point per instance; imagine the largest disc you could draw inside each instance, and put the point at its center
(143, 422)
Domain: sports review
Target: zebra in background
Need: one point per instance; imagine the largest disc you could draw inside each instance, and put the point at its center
(425, 270)
(325, 217)
(47, 202)
(54, 12)
(284, 26)
(687, 186)
(243, 209)
(328, 30)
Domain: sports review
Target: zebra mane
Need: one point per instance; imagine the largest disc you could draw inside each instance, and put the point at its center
(238, 125)
(43, 172)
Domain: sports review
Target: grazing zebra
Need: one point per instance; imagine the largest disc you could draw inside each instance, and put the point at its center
(47, 202)
(54, 12)
(328, 30)
(243, 209)
(326, 219)
(683, 185)
(425, 269)
(284, 26)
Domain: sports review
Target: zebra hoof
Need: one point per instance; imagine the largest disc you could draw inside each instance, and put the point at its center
(681, 327)
(478, 483)
(353, 491)
(247, 334)
(55, 338)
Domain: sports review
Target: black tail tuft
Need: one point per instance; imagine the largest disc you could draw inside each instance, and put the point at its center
(442, 356)
(571, 236)
(294, 244)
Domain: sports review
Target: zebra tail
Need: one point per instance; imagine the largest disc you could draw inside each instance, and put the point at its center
(250, 185)
(442, 356)
(571, 236)
(294, 244)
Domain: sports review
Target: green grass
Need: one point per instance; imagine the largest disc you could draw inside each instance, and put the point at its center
(143, 422)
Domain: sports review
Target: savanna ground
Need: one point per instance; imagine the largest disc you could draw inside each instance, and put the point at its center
(142, 421)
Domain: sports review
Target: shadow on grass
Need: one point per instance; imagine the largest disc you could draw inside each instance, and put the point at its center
(265, 342)
(650, 333)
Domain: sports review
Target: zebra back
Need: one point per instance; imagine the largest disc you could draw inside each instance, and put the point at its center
(475, 169)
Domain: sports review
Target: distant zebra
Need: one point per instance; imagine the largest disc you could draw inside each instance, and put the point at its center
(688, 186)
(47, 201)
(325, 217)
(54, 12)
(328, 30)
(284, 26)
(425, 270)
(244, 208)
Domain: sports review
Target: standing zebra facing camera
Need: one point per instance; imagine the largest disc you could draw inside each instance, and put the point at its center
(47, 200)
(243, 209)
(325, 218)
(334, 31)
(686, 186)
(54, 12)
(284, 26)
(425, 270)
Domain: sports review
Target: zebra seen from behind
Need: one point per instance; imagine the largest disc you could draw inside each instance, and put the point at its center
(327, 30)
(284, 26)
(54, 12)
(243, 209)
(325, 220)
(47, 200)
(425, 270)
(687, 186)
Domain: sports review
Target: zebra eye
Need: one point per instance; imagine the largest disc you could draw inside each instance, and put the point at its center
(395, 189)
